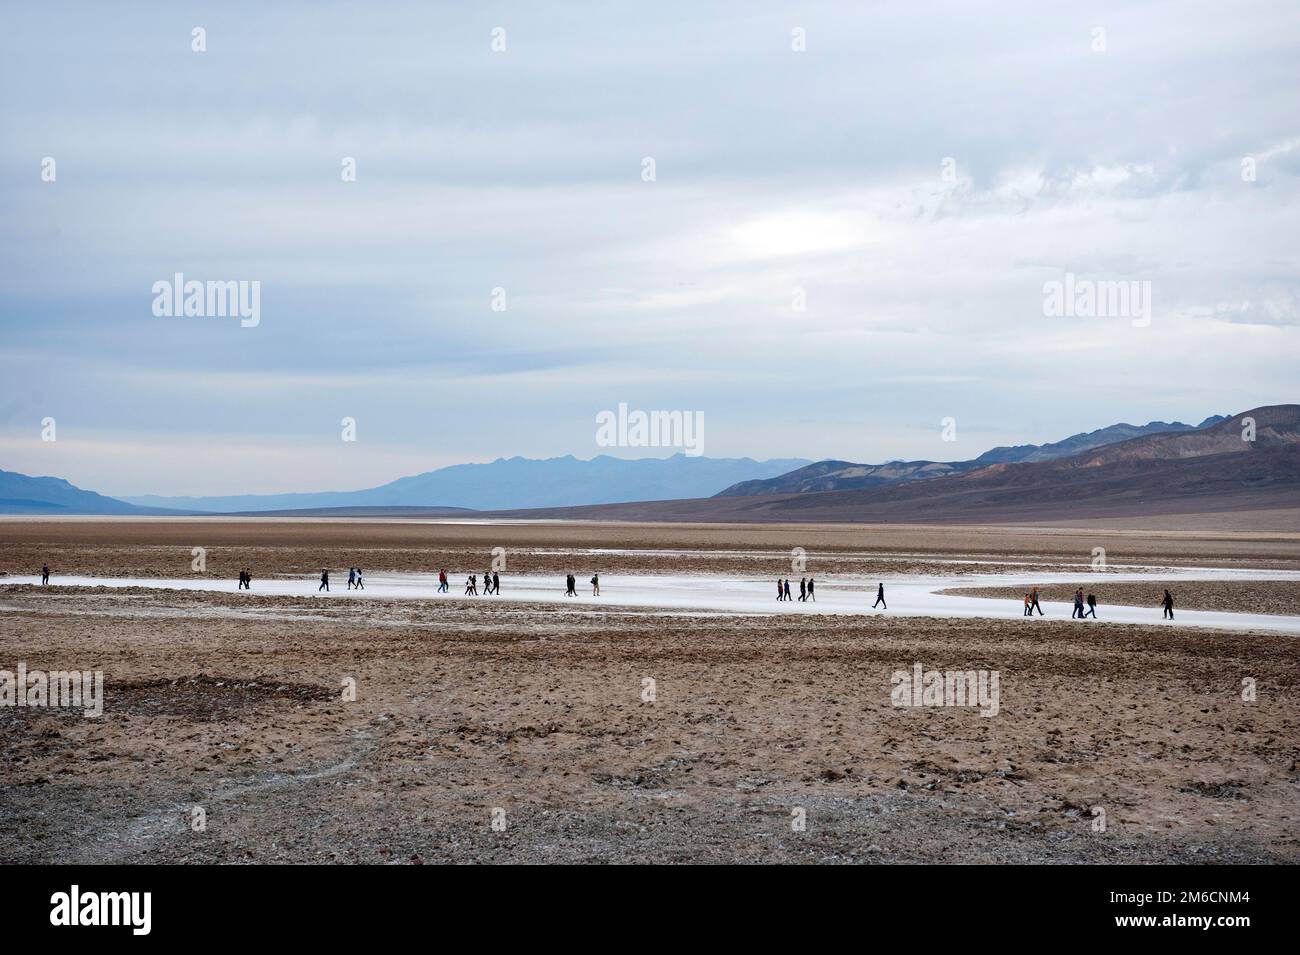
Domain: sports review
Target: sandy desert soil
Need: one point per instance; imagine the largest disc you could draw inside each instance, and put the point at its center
(1237, 596)
(235, 705)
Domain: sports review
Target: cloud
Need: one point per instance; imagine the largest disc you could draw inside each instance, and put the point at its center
(817, 177)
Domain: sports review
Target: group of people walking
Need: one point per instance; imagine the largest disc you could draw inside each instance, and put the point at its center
(807, 589)
(1031, 604)
(491, 584)
(1078, 605)
(571, 585)
(1086, 606)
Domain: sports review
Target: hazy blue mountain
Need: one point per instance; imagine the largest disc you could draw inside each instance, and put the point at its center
(20, 494)
(845, 475)
(517, 483)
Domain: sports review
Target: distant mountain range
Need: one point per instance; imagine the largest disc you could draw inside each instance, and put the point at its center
(1188, 471)
(1123, 464)
(516, 483)
(843, 475)
(20, 494)
(505, 483)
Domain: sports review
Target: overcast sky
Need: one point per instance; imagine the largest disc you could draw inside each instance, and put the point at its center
(1114, 155)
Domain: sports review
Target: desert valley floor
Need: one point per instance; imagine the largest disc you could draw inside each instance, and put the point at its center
(520, 728)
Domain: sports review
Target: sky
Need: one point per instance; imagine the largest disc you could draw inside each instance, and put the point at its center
(854, 216)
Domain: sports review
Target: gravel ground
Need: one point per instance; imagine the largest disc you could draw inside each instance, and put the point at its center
(463, 710)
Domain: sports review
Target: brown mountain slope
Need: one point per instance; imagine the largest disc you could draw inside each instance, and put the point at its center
(1275, 426)
(1179, 473)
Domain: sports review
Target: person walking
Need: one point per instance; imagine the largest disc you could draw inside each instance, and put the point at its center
(496, 584)
(248, 579)
(571, 585)
(352, 577)
(442, 580)
(45, 575)
(780, 591)
(1029, 609)
(787, 589)
(487, 582)
(361, 584)
(1168, 604)
(324, 582)
(1078, 605)
(595, 584)
(1033, 603)
(471, 586)
(811, 594)
(803, 589)
(880, 598)
(1092, 606)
